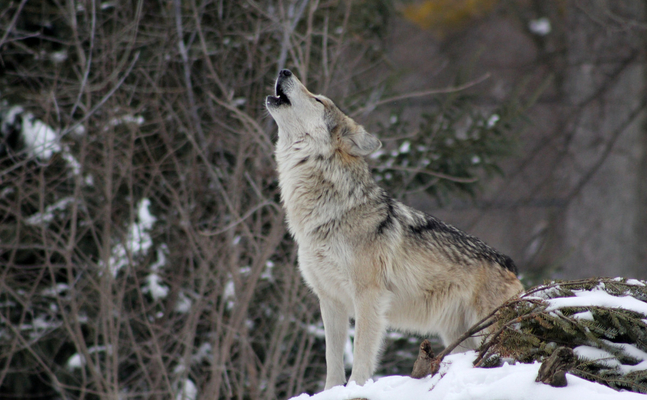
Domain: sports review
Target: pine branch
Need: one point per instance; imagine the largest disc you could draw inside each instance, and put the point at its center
(525, 330)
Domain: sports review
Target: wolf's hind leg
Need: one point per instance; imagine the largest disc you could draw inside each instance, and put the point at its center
(460, 324)
(335, 320)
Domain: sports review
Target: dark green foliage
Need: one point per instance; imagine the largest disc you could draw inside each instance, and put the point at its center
(608, 340)
(454, 148)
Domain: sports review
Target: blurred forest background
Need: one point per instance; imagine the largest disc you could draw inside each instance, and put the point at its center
(143, 251)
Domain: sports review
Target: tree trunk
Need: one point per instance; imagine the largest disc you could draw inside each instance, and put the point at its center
(604, 89)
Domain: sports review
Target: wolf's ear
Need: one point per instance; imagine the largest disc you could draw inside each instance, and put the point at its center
(359, 143)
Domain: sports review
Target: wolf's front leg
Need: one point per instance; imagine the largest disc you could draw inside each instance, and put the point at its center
(370, 325)
(335, 320)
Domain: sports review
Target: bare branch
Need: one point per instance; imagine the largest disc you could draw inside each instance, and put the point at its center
(451, 89)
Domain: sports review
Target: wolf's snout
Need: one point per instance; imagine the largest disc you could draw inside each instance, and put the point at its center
(280, 98)
(284, 75)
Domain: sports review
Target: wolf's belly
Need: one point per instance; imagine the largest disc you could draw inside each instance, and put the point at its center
(430, 310)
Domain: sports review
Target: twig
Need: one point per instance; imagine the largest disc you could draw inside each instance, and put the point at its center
(485, 347)
(187, 74)
(451, 89)
(104, 99)
(432, 173)
(479, 326)
(484, 323)
(82, 59)
(241, 219)
(203, 43)
(250, 123)
(288, 29)
(609, 146)
(12, 23)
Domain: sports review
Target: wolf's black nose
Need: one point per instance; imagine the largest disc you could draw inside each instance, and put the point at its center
(284, 73)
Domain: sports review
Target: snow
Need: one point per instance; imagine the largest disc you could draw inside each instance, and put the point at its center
(58, 56)
(204, 352)
(138, 240)
(405, 147)
(72, 162)
(631, 351)
(316, 330)
(377, 154)
(153, 285)
(55, 290)
(10, 118)
(267, 272)
(162, 250)
(78, 360)
(127, 119)
(239, 102)
(41, 140)
(107, 4)
(48, 214)
(183, 304)
(491, 122)
(229, 294)
(605, 358)
(600, 298)
(586, 315)
(348, 352)
(458, 380)
(186, 388)
(602, 357)
(146, 219)
(189, 391)
(540, 26)
(75, 362)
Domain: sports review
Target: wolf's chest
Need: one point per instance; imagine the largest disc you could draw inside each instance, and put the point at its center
(327, 270)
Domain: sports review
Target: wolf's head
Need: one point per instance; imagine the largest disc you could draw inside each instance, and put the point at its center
(303, 116)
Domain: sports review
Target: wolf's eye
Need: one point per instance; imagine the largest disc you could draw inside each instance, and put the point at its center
(318, 100)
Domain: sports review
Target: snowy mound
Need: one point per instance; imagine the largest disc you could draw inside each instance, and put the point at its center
(601, 322)
(459, 379)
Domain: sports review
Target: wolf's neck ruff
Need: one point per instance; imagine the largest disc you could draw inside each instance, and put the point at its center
(318, 188)
(364, 254)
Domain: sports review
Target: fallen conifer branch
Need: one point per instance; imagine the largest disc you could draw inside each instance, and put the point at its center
(601, 321)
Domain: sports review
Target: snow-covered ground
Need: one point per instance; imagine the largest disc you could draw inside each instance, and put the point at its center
(458, 380)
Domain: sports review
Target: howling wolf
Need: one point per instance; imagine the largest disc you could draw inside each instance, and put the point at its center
(365, 255)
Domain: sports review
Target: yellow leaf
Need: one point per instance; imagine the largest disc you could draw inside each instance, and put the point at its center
(442, 16)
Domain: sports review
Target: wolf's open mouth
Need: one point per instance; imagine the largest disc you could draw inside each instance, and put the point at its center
(279, 91)
(281, 98)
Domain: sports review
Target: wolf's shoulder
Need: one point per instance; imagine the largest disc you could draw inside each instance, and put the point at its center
(424, 229)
